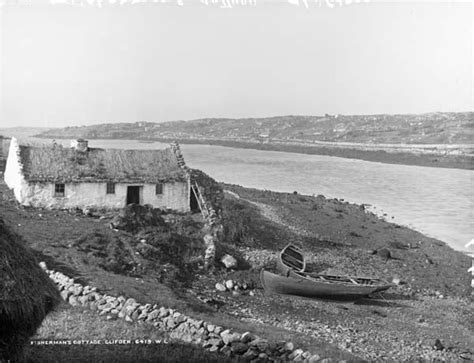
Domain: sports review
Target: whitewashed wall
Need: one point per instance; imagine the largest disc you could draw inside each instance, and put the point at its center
(14, 172)
(86, 195)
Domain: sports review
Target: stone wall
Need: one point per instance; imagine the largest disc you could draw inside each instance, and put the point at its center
(210, 196)
(178, 326)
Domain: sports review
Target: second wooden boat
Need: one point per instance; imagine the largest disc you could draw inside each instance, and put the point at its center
(291, 258)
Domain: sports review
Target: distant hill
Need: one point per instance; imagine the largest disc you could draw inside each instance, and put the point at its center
(22, 132)
(429, 128)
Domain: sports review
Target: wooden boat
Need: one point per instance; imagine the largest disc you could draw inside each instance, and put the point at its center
(291, 264)
(314, 285)
(291, 258)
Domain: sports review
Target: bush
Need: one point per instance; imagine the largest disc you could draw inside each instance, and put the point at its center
(135, 217)
(245, 226)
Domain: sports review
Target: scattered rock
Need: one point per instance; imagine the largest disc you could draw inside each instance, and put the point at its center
(396, 281)
(384, 253)
(220, 287)
(229, 284)
(438, 345)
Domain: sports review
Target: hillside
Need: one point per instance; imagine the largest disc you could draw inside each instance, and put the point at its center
(429, 128)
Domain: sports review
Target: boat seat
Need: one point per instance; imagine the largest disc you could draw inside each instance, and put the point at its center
(293, 261)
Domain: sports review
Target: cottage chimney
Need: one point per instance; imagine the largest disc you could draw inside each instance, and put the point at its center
(80, 145)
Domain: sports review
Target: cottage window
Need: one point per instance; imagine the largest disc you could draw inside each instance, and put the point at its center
(59, 190)
(159, 189)
(110, 188)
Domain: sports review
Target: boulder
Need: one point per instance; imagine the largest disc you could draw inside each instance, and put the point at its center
(260, 344)
(229, 262)
(215, 342)
(73, 301)
(228, 337)
(295, 353)
(153, 315)
(163, 312)
(238, 348)
(169, 323)
(287, 347)
(65, 295)
(229, 284)
(247, 337)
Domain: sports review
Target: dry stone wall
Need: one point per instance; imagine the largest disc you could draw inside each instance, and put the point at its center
(211, 199)
(178, 326)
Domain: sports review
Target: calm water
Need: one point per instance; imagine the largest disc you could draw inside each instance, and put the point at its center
(436, 201)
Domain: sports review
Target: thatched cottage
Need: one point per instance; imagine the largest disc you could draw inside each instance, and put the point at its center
(27, 294)
(82, 177)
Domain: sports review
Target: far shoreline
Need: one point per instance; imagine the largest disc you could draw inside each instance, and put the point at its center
(399, 158)
(464, 162)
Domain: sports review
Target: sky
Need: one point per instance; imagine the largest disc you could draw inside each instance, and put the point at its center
(67, 65)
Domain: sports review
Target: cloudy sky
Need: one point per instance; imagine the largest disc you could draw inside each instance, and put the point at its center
(64, 65)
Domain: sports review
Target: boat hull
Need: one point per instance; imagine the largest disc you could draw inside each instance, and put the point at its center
(300, 285)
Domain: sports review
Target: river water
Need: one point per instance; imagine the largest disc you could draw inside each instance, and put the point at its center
(436, 201)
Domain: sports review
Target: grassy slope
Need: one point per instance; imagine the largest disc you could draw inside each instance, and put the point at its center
(77, 324)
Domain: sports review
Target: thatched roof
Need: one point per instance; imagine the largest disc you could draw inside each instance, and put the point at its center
(60, 164)
(26, 293)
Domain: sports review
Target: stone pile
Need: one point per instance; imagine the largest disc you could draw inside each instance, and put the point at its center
(234, 286)
(180, 327)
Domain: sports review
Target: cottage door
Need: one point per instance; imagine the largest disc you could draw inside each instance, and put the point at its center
(133, 195)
